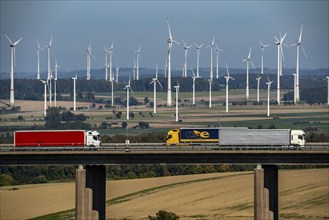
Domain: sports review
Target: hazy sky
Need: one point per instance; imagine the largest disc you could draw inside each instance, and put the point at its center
(236, 24)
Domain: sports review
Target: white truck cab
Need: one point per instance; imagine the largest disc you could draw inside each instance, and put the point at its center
(298, 138)
(93, 139)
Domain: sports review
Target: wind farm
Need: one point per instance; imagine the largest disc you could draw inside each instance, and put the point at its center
(163, 66)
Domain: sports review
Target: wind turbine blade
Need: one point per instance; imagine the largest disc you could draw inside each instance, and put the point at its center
(261, 44)
(51, 40)
(112, 45)
(300, 35)
(249, 52)
(176, 42)
(252, 64)
(18, 41)
(131, 90)
(277, 40)
(170, 36)
(304, 51)
(284, 36)
(227, 72)
(193, 72)
(8, 38)
(213, 41)
(184, 44)
(201, 45)
(159, 83)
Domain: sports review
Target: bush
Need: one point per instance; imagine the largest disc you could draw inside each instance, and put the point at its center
(40, 179)
(6, 179)
(163, 215)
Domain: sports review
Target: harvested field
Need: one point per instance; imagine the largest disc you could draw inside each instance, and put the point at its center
(304, 194)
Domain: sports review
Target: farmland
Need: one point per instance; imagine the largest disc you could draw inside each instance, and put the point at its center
(303, 194)
(282, 116)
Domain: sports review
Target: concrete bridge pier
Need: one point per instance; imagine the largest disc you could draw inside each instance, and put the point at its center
(266, 200)
(90, 198)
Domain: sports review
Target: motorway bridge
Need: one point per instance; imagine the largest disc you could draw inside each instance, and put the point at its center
(91, 175)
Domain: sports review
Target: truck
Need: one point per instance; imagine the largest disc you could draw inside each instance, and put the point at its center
(237, 136)
(57, 138)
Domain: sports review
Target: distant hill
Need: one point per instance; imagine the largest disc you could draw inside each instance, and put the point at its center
(124, 73)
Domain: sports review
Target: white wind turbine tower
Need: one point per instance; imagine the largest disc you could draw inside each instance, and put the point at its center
(262, 56)
(111, 51)
(134, 70)
(177, 91)
(107, 51)
(45, 97)
(155, 81)
(117, 73)
(247, 60)
(258, 82)
(89, 54)
(217, 56)
(13, 61)
(55, 82)
(74, 92)
(127, 87)
(295, 76)
(170, 42)
(298, 44)
(112, 92)
(38, 55)
(328, 91)
(198, 47)
(49, 68)
(210, 82)
(137, 60)
(185, 56)
(165, 69)
(211, 49)
(227, 77)
(280, 56)
(193, 88)
(268, 95)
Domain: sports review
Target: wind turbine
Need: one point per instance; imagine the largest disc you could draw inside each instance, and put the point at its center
(268, 95)
(194, 78)
(217, 55)
(137, 59)
(128, 87)
(55, 82)
(89, 54)
(210, 82)
(247, 60)
(258, 81)
(117, 73)
(74, 92)
(170, 42)
(198, 47)
(13, 60)
(328, 91)
(177, 91)
(227, 77)
(38, 55)
(45, 97)
(185, 53)
(280, 56)
(262, 56)
(211, 49)
(155, 81)
(298, 44)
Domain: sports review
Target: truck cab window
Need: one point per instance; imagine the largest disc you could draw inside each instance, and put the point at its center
(300, 137)
(95, 137)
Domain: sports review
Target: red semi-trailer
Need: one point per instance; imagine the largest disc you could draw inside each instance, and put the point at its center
(56, 138)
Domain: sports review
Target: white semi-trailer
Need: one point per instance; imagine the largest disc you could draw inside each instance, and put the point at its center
(239, 136)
